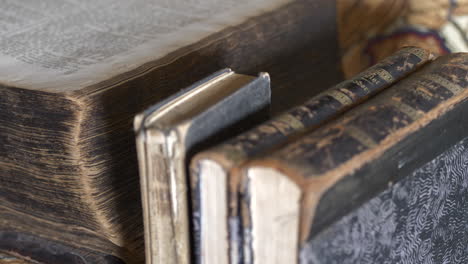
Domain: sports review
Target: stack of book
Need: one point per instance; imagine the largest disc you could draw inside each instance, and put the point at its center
(225, 163)
(75, 73)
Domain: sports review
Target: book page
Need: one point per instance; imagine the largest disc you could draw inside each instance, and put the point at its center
(52, 43)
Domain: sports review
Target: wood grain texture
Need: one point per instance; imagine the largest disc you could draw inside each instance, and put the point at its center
(68, 162)
(329, 164)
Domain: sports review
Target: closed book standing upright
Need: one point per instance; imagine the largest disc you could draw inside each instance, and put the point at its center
(214, 174)
(290, 197)
(167, 133)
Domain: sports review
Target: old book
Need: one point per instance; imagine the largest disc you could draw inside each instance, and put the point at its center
(166, 135)
(75, 73)
(214, 190)
(292, 194)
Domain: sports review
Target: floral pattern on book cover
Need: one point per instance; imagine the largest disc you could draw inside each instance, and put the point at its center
(421, 219)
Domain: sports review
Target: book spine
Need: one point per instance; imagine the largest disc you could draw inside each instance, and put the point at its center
(317, 161)
(326, 105)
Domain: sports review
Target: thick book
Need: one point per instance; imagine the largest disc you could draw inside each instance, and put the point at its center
(168, 133)
(294, 193)
(73, 74)
(214, 183)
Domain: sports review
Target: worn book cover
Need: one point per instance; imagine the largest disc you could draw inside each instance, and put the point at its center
(167, 134)
(291, 196)
(75, 73)
(217, 230)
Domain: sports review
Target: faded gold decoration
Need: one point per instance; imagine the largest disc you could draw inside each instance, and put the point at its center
(360, 136)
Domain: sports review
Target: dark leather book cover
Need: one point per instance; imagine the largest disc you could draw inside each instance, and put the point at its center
(68, 166)
(337, 167)
(277, 131)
